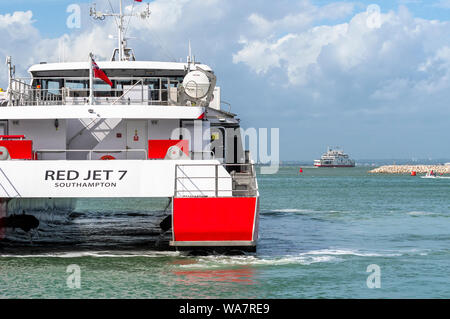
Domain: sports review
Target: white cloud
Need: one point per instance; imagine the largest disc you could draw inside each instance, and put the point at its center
(18, 33)
(25, 44)
(293, 52)
(400, 63)
(306, 14)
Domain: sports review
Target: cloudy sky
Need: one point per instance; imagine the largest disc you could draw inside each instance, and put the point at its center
(372, 77)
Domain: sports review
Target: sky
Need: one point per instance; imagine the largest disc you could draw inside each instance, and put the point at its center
(369, 76)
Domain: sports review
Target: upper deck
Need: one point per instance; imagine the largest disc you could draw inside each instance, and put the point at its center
(133, 83)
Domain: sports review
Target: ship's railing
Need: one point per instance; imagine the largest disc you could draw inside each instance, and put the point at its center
(89, 153)
(215, 180)
(75, 91)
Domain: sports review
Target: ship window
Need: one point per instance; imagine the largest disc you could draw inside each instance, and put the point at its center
(164, 88)
(51, 86)
(153, 86)
(77, 88)
(158, 87)
(76, 84)
(102, 89)
(54, 86)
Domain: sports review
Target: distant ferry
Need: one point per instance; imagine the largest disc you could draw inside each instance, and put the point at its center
(334, 158)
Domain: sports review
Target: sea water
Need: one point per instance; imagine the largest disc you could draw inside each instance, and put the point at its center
(324, 233)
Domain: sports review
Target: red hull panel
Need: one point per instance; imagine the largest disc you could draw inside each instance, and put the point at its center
(214, 219)
(157, 149)
(19, 149)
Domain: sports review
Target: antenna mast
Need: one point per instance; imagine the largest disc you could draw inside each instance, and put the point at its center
(122, 41)
(11, 75)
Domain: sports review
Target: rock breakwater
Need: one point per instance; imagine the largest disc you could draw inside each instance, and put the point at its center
(407, 169)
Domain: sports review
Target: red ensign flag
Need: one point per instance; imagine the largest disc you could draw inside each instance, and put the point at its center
(99, 74)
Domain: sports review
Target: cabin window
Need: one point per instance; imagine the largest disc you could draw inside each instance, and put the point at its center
(102, 89)
(77, 88)
(53, 86)
(154, 90)
(76, 84)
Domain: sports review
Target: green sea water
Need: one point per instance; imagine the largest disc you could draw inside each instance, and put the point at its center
(319, 232)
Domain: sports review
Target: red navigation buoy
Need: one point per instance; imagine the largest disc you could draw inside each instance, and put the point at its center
(301, 170)
(413, 173)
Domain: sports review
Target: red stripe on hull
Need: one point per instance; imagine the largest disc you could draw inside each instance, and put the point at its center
(215, 219)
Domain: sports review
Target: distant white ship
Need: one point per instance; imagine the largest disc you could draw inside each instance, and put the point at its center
(334, 158)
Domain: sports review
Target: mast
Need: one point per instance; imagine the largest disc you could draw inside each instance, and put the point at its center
(120, 18)
(91, 80)
(121, 35)
(11, 73)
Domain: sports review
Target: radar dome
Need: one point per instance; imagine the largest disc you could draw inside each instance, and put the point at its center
(196, 84)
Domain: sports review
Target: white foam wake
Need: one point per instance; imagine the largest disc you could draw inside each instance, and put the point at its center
(233, 261)
(304, 258)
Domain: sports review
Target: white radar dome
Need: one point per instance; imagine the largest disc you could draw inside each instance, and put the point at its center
(196, 84)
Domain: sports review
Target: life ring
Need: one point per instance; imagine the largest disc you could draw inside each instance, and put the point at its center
(4, 154)
(107, 158)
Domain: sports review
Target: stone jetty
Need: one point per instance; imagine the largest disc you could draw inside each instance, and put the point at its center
(407, 169)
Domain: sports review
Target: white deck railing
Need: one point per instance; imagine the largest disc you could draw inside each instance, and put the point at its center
(215, 180)
(75, 91)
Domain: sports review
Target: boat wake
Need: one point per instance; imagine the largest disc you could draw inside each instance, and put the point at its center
(304, 258)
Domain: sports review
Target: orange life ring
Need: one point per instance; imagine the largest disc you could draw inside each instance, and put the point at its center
(107, 158)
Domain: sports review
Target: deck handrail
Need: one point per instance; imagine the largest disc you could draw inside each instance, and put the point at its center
(154, 90)
(129, 89)
(92, 151)
(216, 191)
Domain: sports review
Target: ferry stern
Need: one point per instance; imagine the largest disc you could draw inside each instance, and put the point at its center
(130, 129)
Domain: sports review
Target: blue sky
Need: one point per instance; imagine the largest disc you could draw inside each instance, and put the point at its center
(315, 69)
(50, 16)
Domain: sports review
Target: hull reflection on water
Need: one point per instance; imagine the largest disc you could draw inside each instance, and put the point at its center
(86, 224)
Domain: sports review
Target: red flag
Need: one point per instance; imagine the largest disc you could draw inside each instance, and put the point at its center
(99, 74)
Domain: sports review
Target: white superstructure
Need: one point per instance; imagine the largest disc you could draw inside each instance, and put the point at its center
(157, 131)
(334, 158)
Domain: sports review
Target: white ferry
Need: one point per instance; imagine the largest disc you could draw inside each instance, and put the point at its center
(129, 129)
(334, 158)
